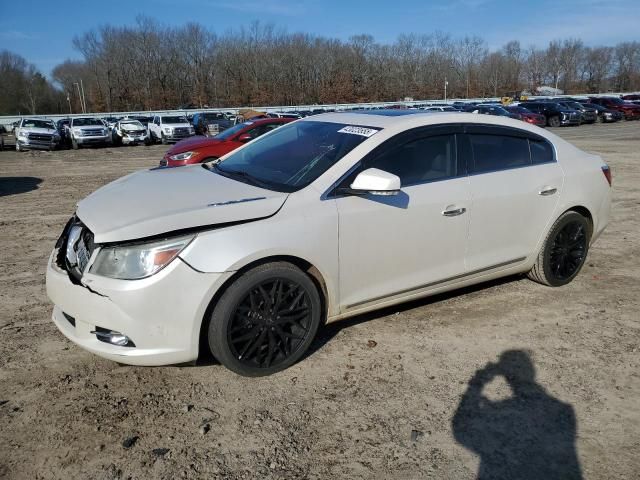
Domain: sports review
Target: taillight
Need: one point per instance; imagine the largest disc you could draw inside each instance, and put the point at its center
(607, 173)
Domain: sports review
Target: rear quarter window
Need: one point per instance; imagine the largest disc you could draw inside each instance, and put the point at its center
(541, 152)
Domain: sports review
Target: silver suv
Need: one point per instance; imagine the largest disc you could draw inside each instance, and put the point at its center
(88, 131)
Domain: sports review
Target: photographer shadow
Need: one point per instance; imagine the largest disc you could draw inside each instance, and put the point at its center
(530, 435)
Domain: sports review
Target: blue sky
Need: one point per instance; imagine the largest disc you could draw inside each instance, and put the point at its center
(42, 30)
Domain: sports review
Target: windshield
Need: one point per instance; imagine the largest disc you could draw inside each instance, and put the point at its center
(495, 110)
(38, 124)
(212, 116)
(230, 132)
(174, 120)
(293, 156)
(131, 124)
(84, 122)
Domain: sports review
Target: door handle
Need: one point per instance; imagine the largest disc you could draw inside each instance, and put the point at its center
(454, 212)
(546, 191)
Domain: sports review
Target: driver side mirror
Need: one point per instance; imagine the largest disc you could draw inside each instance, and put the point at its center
(374, 181)
(245, 137)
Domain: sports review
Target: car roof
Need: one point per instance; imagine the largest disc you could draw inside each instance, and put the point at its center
(260, 121)
(418, 119)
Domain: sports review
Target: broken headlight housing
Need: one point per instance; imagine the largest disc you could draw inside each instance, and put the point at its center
(136, 261)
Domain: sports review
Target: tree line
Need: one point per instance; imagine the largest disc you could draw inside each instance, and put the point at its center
(151, 66)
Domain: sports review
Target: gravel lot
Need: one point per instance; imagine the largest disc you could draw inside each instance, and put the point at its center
(378, 397)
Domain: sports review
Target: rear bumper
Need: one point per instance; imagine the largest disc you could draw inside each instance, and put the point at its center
(161, 314)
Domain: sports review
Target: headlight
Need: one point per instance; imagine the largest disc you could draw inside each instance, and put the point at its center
(77, 131)
(167, 130)
(183, 156)
(22, 134)
(132, 262)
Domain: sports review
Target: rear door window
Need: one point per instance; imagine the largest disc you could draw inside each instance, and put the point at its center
(498, 152)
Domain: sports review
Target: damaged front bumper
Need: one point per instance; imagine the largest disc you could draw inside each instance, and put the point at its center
(161, 315)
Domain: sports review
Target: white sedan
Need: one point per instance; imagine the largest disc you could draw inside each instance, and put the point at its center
(327, 217)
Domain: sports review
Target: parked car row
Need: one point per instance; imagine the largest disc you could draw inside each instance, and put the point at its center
(557, 112)
(171, 128)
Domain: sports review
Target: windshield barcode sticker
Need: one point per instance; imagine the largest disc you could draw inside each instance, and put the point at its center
(365, 132)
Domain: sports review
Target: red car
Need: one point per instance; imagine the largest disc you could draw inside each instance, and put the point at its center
(527, 115)
(200, 149)
(631, 111)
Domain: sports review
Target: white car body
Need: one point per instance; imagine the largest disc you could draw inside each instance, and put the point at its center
(163, 127)
(45, 137)
(367, 252)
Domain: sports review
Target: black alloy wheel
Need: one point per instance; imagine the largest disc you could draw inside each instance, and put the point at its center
(266, 320)
(568, 251)
(564, 250)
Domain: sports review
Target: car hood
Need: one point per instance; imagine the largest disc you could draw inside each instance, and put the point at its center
(49, 131)
(192, 143)
(163, 200)
(128, 127)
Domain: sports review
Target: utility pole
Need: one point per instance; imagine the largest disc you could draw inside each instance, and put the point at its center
(69, 102)
(445, 88)
(79, 96)
(84, 100)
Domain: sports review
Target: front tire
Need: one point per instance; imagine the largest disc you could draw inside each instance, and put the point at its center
(554, 121)
(266, 320)
(74, 143)
(564, 251)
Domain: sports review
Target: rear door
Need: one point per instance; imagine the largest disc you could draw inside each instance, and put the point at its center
(515, 183)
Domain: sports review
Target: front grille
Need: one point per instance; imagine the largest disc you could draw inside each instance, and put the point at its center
(180, 131)
(95, 132)
(40, 137)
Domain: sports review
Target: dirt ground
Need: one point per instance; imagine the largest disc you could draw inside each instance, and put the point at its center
(393, 394)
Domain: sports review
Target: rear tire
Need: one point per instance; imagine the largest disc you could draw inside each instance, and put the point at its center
(266, 320)
(563, 252)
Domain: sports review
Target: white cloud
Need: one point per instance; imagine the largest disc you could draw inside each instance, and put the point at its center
(17, 35)
(273, 7)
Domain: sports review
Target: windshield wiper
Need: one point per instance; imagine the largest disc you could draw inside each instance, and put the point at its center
(239, 173)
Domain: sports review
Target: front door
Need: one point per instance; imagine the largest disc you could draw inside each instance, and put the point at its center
(393, 245)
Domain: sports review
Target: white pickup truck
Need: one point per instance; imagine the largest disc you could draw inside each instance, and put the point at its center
(170, 128)
(36, 133)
